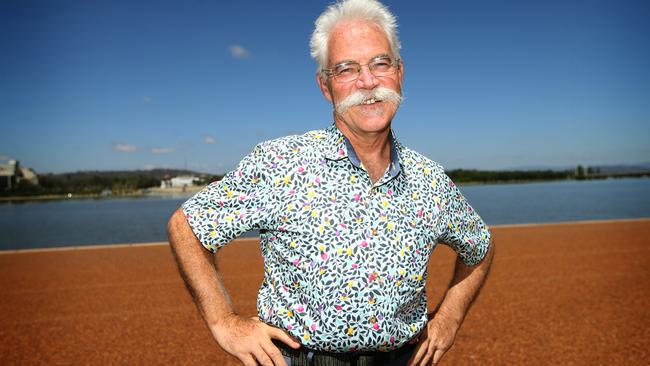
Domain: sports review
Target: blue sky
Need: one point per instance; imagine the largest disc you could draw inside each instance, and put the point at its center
(106, 85)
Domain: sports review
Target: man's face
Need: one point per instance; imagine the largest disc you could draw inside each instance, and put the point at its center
(360, 42)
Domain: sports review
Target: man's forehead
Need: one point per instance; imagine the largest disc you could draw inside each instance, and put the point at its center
(352, 40)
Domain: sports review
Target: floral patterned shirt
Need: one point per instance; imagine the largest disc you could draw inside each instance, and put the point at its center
(345, 260)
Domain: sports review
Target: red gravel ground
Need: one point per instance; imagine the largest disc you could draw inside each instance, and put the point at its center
(561, 294)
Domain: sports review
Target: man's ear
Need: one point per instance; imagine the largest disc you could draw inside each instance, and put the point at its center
(324, 87)
(401, 72)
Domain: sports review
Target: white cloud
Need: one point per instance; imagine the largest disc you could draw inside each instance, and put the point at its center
(209, 139)
(237, 51)
(162, 150)
(125, 148)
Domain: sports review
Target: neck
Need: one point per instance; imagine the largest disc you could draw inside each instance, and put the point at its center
(372, 148)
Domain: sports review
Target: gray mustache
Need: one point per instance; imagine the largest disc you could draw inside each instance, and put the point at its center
(358, 97)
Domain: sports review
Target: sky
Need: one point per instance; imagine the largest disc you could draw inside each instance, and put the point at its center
(112, 85)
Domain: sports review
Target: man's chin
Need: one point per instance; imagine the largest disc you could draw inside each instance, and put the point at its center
(364, 125)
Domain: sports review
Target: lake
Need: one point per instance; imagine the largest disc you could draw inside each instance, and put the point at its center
(40, 224)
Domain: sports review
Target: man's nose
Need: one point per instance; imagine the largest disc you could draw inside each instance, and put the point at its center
(366, 79)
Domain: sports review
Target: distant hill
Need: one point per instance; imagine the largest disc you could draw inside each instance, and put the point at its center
(129, 182)
(555, 168)
(100, 182)
(623, 169)
(157, 174)
(501, 176)
(605, 168)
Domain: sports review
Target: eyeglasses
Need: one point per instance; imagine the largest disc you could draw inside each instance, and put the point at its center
(348, 71)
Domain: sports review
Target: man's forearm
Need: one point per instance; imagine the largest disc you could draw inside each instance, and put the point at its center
(439, 334)
(464, 287)
(197, 268)
(247, 339)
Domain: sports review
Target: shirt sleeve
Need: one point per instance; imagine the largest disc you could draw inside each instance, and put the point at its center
(464, 230)
(228, 208)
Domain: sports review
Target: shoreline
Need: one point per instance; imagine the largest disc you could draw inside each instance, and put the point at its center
(256, 238)
(143, 193)
(170, 192)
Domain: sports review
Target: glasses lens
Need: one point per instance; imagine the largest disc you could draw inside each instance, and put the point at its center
(347, 72)
(382, 66)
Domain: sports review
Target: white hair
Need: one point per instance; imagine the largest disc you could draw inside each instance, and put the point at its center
(345, 10)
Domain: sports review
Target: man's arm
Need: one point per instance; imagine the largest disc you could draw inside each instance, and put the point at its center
(441, 330)
(247, 339)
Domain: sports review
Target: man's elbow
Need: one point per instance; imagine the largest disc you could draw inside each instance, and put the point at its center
(175, 224)
(489, 255)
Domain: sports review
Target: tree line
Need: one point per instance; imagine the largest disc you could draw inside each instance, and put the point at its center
(126, 182)
(502, 176)
(98, 182)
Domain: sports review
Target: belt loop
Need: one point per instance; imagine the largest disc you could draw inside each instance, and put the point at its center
(288, 360)
(310, 358)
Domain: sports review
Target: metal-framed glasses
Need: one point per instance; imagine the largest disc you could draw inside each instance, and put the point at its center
(347, 71)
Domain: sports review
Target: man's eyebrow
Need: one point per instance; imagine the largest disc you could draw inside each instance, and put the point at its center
(381, 55)
(344, 62)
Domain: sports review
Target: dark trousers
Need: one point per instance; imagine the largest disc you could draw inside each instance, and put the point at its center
(307, 357)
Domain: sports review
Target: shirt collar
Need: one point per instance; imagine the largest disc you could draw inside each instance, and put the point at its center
(336, 146)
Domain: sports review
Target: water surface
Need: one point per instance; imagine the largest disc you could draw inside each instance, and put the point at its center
(135, 220)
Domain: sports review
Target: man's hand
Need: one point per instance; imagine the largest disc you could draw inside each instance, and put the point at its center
(247, 339)
(440, 332)
(434, 341)
(250, 340)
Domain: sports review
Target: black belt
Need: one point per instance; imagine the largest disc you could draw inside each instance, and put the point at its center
(309, 357)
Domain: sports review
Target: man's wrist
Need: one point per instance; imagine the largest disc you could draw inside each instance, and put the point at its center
(221, 323)
(451, 318)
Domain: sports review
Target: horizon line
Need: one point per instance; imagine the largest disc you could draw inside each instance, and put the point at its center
(166, 243)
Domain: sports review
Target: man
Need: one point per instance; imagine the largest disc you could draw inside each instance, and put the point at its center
(348, 219)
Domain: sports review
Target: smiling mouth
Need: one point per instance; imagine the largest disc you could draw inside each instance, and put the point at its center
(370, 101)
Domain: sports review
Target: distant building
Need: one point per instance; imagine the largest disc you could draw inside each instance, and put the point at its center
(11, 174)
(179, 182)
(166, 182)
(184, 181)
(29, 175)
